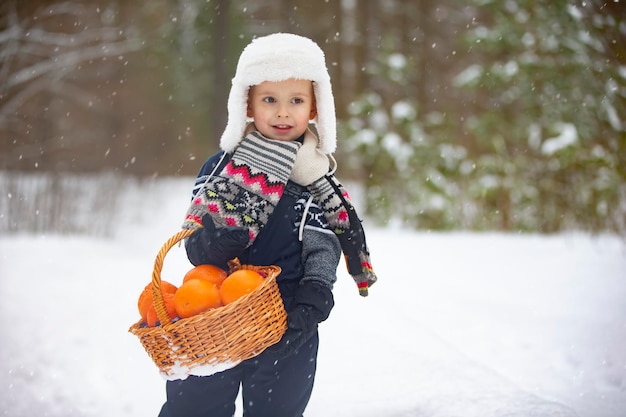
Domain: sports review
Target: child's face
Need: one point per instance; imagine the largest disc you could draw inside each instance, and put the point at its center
(282, 110)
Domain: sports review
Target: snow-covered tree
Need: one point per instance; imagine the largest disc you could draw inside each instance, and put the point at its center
(528, 134)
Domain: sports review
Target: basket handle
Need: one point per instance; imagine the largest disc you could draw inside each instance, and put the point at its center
(157, 293)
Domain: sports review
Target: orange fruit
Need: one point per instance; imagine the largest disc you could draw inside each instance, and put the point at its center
(168, 300)
(239, 283)
(213, 273)
(195, 296)
(145, 298)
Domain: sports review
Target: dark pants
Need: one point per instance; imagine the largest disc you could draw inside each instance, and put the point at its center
(270, 388)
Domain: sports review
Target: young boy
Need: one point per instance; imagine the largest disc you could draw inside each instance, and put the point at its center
(270, 198)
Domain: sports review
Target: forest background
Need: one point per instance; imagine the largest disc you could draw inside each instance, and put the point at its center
(479, 115)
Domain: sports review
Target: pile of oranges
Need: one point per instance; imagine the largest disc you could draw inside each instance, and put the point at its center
(204, 287)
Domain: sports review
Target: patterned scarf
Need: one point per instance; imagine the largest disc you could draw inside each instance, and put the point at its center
(248, 188)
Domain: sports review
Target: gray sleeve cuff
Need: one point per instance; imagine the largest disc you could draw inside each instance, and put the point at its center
(321, 252)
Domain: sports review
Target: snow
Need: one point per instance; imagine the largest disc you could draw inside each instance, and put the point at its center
(403, 110)
(567, 137)
(182, 371)
(469, 75)
(459, 324)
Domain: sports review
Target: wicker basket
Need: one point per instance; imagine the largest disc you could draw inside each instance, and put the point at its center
(217, 339)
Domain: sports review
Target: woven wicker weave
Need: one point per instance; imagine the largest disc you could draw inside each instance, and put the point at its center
(216, 339)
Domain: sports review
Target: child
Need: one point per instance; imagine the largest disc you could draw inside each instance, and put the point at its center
(270, 198)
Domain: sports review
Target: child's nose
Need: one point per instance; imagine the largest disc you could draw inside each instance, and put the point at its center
(282, 111)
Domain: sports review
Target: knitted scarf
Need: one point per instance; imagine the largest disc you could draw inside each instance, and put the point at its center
(248, 188)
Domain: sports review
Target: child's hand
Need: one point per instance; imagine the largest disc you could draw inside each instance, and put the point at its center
(312, 305)
(216, 245)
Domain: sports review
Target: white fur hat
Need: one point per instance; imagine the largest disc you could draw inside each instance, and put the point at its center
(274, 58)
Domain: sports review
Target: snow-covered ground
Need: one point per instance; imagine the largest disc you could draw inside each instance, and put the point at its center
(459, 324)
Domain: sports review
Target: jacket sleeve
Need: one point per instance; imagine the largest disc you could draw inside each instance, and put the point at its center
(321, 250)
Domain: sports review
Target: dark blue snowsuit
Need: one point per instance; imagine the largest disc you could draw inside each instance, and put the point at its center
(271, 386)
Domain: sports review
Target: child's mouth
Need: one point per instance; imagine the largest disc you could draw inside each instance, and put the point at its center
(282, 127)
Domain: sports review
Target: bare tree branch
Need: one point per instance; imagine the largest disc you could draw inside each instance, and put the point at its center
(35, 59)
(72, 59)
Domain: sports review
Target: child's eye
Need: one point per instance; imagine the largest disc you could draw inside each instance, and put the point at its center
(269, 99)
(297, 101)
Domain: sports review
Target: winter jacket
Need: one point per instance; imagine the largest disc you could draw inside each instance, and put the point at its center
(313, 256)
